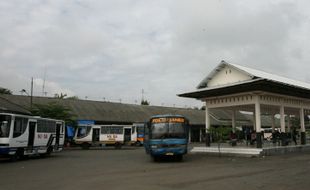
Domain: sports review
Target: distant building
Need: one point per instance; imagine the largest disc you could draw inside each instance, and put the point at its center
(106, 112)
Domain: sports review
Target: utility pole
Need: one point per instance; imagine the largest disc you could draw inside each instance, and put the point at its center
(43, 86)
(31, 93)
(142, 93)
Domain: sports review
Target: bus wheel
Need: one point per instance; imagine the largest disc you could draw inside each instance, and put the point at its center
(85, 146)
(138, 143)
(49, 151)
(179, 158)
(156, 158)
(118, 145)
(18, 155)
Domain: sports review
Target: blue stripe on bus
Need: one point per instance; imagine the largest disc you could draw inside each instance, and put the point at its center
(167, 141)
(4, 150)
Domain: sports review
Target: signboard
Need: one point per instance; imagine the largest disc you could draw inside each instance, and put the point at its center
(168, 120)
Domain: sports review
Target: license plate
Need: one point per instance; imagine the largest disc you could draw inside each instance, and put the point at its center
(169, 154)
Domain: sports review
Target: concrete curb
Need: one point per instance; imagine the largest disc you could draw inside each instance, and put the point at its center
(251, 152)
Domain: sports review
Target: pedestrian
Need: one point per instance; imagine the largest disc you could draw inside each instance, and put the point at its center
(294, 133)
(253, 137)
(248, 135)
(233, 138)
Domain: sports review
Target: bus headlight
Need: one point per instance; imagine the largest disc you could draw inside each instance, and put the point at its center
(153, 146)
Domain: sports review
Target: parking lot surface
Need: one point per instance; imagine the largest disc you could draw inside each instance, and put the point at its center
(131, 168)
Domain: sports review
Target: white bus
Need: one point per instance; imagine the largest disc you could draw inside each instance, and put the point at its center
(117, 135)
(22, 135)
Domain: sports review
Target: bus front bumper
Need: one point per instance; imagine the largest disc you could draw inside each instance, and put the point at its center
(168, 151)
(4, 150)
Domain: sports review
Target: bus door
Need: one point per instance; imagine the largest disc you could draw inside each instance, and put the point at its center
(96, 134)
(127, 134)
(31, 131)
(58, 126)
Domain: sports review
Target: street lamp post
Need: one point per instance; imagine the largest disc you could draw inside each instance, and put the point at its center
(31, 93)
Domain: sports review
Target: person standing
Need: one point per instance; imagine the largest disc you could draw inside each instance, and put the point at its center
(294, 133)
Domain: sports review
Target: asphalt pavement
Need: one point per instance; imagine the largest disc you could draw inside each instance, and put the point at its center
(131, 168)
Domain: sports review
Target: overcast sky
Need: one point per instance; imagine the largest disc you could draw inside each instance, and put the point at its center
(112, 49)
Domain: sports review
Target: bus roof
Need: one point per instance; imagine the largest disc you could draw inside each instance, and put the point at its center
(167, 115)
(30, 116)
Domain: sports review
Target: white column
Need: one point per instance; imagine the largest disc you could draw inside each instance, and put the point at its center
(282, 119)
(208, 125)
(254, 121)
(302, 127)
(302, 120)
(233, 120)
(207, 120)
(258, 123)
(257, 115)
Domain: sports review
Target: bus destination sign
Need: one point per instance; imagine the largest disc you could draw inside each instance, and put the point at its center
(168, 120)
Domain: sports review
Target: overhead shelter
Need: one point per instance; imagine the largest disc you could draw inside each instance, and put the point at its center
(237, 89)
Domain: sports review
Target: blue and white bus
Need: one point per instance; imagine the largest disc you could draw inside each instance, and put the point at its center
(166, 136)
(23, 135)
(98, 135)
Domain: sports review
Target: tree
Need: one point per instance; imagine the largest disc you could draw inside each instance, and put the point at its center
(5, 91)
(60, 96)
(145, 102)
(55, 111)
(73, 98)
(219, 134)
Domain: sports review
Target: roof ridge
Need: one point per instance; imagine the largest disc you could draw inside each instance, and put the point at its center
(271, 76)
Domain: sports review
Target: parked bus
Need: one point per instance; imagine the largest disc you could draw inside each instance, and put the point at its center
(22, 135)
(95, 135)
(166, 135)
(140, 133)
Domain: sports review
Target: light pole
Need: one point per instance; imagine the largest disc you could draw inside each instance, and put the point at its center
(31, 93)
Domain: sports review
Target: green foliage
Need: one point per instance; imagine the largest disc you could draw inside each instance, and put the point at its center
(5, 91)
(55, 111)
(145, 102)
(60, 96)
(295, 122)
(220, 133)
(73, 98)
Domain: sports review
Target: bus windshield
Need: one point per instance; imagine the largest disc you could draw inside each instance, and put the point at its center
(5, 121)
(83, 131)
(168, 130)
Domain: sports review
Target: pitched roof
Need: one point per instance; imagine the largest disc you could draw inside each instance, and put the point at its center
(8, 106)
(249, 80)
(254, 74)
(109, 112)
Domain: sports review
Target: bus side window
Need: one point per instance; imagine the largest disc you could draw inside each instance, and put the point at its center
(20, 125)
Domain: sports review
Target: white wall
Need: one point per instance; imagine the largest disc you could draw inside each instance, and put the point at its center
(228, 75)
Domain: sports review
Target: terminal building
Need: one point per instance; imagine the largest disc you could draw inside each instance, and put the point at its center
(100, 112)
(241, 98)
(272, 101)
